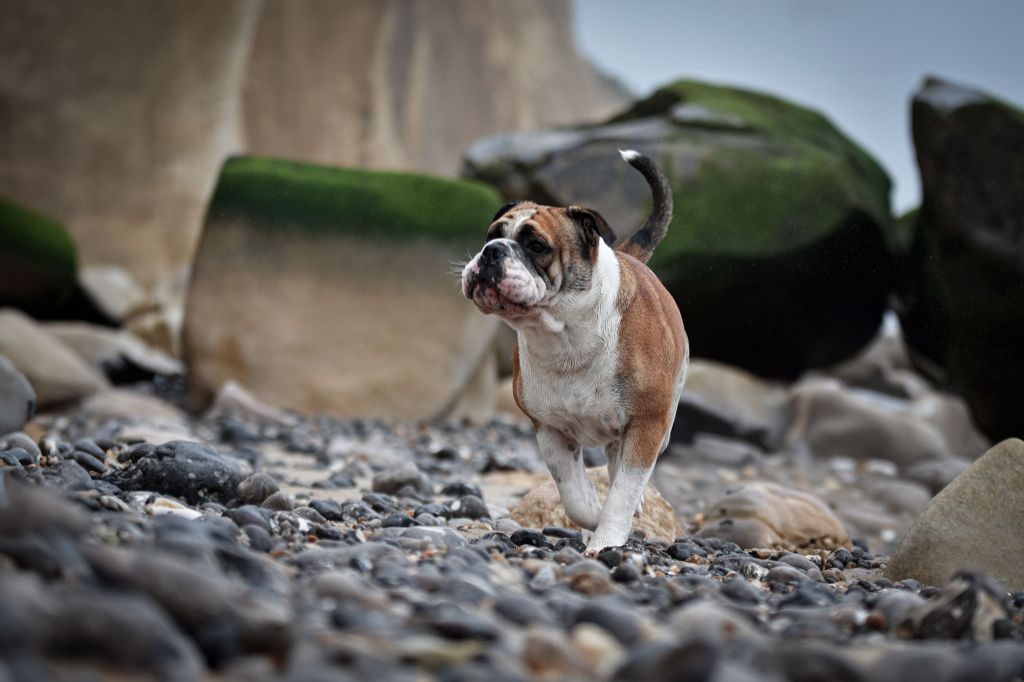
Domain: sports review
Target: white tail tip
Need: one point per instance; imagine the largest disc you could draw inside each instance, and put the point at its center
(629, 154)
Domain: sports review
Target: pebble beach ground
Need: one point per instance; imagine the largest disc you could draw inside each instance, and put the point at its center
(255, 546)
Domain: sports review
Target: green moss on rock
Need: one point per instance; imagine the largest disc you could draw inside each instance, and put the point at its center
(37, 258)
(381, 205)
(790, 185)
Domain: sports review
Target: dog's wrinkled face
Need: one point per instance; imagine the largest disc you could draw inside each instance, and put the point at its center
(532, 256)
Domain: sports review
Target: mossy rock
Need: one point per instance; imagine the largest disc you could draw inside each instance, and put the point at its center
(37, 259)
(332, 290)
(286, 195)
(962, 300)
(778, 253)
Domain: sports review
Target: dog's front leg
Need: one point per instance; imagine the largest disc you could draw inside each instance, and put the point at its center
(639, 451)
(564, 458)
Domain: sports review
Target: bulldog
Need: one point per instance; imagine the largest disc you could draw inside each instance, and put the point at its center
(601, 353)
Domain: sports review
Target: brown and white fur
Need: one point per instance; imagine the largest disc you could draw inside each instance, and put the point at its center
(601, 355)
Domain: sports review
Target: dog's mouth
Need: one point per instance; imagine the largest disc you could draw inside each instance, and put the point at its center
(490, 300)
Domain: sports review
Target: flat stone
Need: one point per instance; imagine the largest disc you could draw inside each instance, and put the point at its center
(542, 507)
(764, 514)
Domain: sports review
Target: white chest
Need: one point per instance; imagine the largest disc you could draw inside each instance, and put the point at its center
(582, 404)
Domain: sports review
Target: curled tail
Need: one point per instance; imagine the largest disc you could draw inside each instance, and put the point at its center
(643, 242)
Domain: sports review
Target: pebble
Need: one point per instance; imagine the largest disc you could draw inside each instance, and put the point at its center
(470, 507)
(382, 586)
(256, 488)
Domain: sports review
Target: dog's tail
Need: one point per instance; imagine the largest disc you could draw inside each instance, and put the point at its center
(643, 242)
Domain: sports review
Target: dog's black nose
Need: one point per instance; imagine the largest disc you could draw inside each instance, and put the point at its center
(493, 252)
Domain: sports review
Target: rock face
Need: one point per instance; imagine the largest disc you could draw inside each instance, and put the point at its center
(117, 119)
(763, 514)
(542, 507)
(963, 297)
(56, 373)
(333, 272)
(37, 259)
(777, 251)
(977, 522)
(317, 68)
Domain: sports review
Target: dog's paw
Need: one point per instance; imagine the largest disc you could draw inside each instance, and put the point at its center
(639, 507)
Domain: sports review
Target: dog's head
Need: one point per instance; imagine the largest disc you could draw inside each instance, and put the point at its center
(532, 256)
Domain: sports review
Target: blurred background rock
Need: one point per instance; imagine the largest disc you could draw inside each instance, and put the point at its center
(783, 256)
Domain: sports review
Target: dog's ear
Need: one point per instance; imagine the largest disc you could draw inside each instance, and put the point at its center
(504, 209)
(592, 227)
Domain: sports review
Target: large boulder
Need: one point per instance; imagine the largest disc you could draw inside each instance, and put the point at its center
(37, 259)
(329, 290)
(963, 294)
(976, 522)
(777, 252)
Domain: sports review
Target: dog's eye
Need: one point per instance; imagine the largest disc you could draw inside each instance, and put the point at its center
(536, 246)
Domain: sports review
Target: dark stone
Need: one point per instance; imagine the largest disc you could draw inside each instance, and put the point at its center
(86, 445)
(626, 573)
(279, 501)
(309, 514)
(453, 622)
(809, 593)
(681, 551)
(68, 475)
(89, 462)
(358, 511)
(614, 616)
(341, 479)
(461, 489)
(249, 515)
(329, 509)
(610, 557)
(810, 662)
(522, 610)
(573, 543)
(383, 504)
(399, 520)
(969, 602)
(18, 457)
(559, 532)
(192, 471)
(433, 509)
(256, 488)
(528, 536)
(468, 507)
(392, 481)
(259, 539)
(740, 591)
(693, 660)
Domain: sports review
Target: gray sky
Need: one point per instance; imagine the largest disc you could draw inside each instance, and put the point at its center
(857, 61)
